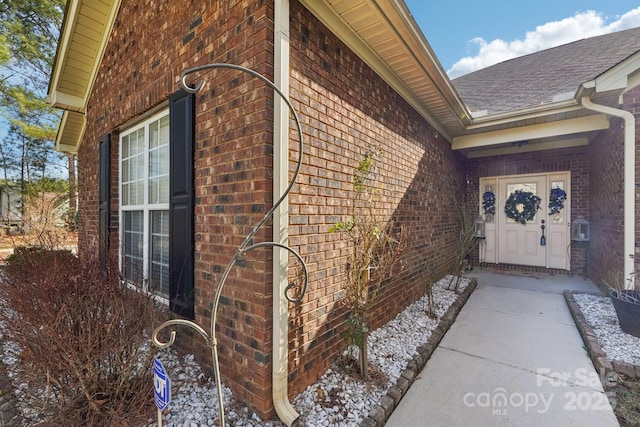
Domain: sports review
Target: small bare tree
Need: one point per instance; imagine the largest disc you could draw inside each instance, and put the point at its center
(466, 207)
(374, 252)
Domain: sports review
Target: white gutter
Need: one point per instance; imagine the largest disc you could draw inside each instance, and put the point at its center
(629, 181)
(280, 371)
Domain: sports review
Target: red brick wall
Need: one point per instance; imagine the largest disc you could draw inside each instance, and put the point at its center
(632, 104)
(151, 44)
(606, 160)
(606, 156)
(575, 160)
(346, 110)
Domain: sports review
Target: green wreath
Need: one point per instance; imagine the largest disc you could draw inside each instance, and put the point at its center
(529, 204)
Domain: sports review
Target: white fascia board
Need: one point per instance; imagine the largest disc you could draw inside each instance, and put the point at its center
(524, 133)
(632, 82)
(67, 149)
(65, 101)
(486, 120)
(616, 78)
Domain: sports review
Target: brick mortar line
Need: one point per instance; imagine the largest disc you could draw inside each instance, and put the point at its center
(380, 413)
(607, 369)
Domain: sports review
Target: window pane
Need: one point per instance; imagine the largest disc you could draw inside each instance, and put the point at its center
(159, 256)
(133, 143)
(140, 192)
(125, 170)
(164, 160)
(164, 131)
(154, 166)
(139, 148)
(133, 169)
(133, 194)
(140, 166)
(125, 194)
(163, 189)
(145, 184)
(125, 146)
(153, 135)
(153, 190)
(133, 247)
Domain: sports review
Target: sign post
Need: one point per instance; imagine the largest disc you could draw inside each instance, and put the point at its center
(161, 388)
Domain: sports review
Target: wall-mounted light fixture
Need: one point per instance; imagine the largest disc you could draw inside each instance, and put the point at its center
(519, 144)
(479, 228)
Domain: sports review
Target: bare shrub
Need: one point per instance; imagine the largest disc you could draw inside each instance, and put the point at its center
(80, 340)
(375, 247)
(426, 276)
(466, 208)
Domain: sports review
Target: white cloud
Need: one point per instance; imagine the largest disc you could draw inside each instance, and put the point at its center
(581, 25)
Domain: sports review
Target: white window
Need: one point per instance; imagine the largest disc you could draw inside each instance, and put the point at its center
(144, 203)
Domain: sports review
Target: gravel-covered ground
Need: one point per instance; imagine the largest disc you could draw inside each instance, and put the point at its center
(340, 400)
(337, 399)
(600, 314)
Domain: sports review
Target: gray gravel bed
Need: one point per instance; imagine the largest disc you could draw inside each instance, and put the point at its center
(336, 399)
(601, 316)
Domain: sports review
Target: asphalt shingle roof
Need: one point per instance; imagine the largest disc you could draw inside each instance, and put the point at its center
(535, 79)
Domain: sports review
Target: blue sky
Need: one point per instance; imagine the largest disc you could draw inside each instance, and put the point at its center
(468, 35)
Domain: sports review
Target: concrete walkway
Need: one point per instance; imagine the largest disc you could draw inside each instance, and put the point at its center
(513, 357)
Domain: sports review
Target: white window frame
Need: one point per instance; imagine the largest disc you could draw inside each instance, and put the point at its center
(145, 206)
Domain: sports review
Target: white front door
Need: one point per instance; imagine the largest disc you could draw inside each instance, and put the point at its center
(521, 243)
(509, 242)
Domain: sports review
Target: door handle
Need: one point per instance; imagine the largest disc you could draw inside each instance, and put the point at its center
(543, 239)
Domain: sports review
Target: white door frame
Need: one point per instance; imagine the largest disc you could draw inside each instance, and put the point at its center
(557, 231)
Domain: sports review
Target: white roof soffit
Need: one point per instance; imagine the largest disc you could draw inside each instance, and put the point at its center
(83, 39)
(71, 130)
(384, 35)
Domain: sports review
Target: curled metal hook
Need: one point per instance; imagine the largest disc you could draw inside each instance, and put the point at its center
(305, 275)
(245, 246)
(268, 82)
(172, 335)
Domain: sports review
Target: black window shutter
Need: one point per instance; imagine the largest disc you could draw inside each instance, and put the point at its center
(181, 201)
(104, 175)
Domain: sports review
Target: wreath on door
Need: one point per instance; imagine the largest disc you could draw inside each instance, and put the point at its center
(521, 206)
(556, 200)
(489, 203)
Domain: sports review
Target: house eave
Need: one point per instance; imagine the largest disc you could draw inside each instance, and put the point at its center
(71, 131)
(535, 112)
(386, 37)
(507, 135)
(85, 32)
(618, 77)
